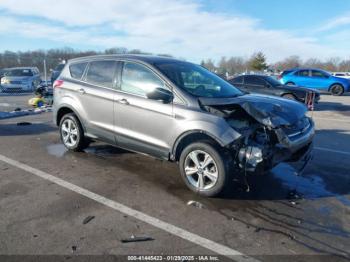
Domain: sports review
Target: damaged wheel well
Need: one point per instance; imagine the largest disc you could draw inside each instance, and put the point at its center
(188, 139)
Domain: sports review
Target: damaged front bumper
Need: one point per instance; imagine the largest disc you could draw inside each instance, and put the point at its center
(291, 148)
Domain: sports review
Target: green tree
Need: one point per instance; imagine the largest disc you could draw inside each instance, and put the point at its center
(258, 62)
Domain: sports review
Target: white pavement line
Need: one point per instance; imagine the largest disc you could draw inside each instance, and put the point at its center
(333, 119)
(332, 150)
(179, 232)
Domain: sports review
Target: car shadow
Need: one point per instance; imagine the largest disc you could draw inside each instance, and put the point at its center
(25, 128)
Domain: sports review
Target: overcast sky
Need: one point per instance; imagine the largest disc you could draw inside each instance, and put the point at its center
(184, 28)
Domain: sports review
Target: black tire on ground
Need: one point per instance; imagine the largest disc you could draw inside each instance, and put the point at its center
(290, 84)
(289, 96)
(223, 163)
(81, 141)
(337, 90)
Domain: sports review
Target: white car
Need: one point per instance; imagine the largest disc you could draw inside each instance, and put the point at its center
(342, 74)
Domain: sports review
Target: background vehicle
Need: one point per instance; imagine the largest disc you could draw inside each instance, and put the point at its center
(56, 72)
(267, 85)
(181, 112)
(21, 79)
(2, 73)
(317, 79)
(341, 74)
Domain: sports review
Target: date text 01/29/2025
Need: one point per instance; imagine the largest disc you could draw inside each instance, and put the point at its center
(173, 258)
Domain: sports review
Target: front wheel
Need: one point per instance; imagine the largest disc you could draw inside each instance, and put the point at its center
(72, 134)
(205, 169)
(337, 90)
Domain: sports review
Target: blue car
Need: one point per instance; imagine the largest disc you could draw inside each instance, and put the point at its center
(317, 79)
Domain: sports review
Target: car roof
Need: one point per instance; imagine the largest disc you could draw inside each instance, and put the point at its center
(144, 58)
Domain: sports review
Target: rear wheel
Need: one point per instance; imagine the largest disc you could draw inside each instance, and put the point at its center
(72, 133)
(289, 96)
(205, 169)
(337, 90)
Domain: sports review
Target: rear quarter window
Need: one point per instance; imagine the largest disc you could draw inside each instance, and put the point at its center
(77, 70)
(101, 73)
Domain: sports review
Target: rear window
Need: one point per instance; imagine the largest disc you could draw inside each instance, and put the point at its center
(101, 73)
(286, 72)
(77, 70)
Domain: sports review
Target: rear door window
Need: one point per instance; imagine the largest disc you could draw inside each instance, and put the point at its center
(77, 70)
(237, 80)
(302, 73)
(102, 73)
(253, 80)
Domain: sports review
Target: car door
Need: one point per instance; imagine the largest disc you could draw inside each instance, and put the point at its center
(96, 95)
(255, 84)
(302, 78)
(319, 79)
(142, 124)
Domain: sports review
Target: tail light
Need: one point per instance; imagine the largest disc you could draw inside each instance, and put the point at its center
(279, 77)
(58, 83)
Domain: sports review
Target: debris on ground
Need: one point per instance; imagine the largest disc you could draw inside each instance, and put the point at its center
(24, 123)
(195, 204)
(74, 248)
(88, 219)
(136, 239)
(17, 109)
(257, 230)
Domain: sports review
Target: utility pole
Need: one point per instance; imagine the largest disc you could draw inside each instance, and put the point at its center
(45, 76)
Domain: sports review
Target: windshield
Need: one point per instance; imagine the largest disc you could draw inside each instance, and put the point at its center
(19, 72)
(273, 81)
(197, 80)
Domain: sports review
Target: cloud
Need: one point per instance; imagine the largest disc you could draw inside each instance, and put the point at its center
(178, 27)
(336, 22)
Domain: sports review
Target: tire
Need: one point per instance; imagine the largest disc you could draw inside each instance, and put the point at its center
(290, 84)
(337, 90)
(72, 133)
(215, 175)
(289, 96)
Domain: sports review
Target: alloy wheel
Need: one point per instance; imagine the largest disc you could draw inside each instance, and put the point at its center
(201, 170)
(69, 132)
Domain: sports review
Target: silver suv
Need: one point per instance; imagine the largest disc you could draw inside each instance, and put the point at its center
(180, 112)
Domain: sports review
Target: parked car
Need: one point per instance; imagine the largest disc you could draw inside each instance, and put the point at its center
(315, 78)
(2, 73)
(181, 112)
(262, 84)
(341, 74)
(56, 72)
(21, 79)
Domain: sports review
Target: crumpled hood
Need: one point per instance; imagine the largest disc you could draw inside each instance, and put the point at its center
(268, 110)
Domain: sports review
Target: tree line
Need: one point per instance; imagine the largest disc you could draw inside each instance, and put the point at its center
(258, 62)
(226, 65)
(53, 57)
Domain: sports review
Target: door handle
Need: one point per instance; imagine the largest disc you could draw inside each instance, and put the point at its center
(81, 91)
(123, 101)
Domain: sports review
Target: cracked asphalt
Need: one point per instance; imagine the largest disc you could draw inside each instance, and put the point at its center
(284, 216)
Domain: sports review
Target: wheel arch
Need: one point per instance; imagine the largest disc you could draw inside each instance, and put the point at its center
(336, 83)
(66, 109)
(189, 137)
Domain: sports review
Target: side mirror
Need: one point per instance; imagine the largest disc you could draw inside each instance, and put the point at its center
(161, 94)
